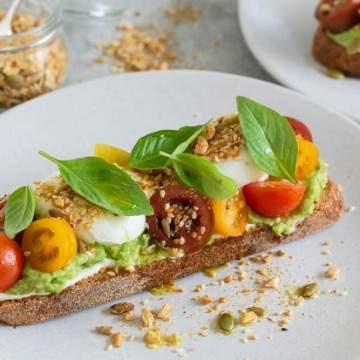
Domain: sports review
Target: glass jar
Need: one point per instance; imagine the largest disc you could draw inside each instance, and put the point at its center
(34, 60)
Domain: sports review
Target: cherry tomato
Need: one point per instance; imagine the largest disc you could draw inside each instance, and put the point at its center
(300, 129)
(11, 262)
(338, 15)
(183, 218)
(230, 215)
(274, 198)
(308, 159)
(51, 244)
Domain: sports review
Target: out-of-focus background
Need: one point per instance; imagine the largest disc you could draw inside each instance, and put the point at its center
(203, 34)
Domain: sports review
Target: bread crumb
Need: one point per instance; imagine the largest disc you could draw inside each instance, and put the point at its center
(116, 340)
(104, 330)
(332, 273)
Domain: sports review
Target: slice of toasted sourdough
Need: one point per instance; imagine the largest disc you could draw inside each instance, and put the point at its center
(102, 288)
(332, 55)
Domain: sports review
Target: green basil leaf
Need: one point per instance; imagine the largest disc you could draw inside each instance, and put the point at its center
(269, 138)
(19, 211)
(349, 39)
(202, 174)
(103, 184)
(145, 154)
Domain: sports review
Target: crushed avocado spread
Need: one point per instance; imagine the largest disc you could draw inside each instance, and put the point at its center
(127, 254)
(349, 39)
(285, 226)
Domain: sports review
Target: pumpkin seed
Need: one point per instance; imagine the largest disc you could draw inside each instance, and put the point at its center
(15, 81)
(309, 290)
(226, 323)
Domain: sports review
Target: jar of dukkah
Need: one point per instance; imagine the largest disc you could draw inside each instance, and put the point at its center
(34, 59)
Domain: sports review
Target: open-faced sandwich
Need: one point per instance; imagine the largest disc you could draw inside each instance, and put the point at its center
(337, 40)
(183, 200)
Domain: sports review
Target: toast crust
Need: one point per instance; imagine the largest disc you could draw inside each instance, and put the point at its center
(332, 55)
(102, 288)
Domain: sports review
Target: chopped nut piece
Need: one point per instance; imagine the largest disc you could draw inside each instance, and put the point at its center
(309, 290)
(267, 259)
(104, 330)
(242, 275)
(228, 279)
(116, 339)
(252, 337)
(205, 300)
(247, 318)
(147, 317)
(283, 322)
(332, 273)
(152, 338)
(272, 283)
(204, 331)
(121, 308)
(259, 311)
(164, 312)
(287, 313)
(199, 288)
(262, 271)
(223, 299)
(280, 253)
(129, 316)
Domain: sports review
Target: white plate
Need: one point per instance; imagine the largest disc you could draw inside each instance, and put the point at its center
(118, 110)
(280, 33)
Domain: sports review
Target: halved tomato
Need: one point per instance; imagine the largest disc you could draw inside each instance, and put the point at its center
(274, 198)
(230, 215)
(338, 15)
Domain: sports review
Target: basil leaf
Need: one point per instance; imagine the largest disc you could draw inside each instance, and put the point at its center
(145, 154)
(349, 39)
(19, 211)
(103, 184)
(202, 174)
(269, 138)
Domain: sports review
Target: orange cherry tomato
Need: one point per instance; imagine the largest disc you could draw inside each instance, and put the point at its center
(300, 129)
(11, 262)
(112, 154)
(338, 15)
(50, 244)
(230, 215)
(274, 198)
(308, 159)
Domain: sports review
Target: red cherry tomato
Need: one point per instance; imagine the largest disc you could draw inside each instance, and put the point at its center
(274, 198)
(300, 129)
(11, 262)
(183, 218)
(338, 15)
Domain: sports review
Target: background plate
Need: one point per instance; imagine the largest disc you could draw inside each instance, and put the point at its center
(117, 110)
(280, 33)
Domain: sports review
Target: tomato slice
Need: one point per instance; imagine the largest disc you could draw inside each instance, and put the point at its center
(338, 15)
(230, 215)
(11, 262)
(183, 218)
(50, 243)
(308, 159)
(274, 198)
(300, 129)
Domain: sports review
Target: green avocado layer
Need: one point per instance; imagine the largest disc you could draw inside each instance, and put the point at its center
(128, 254)
(285, 226)
(349, 39)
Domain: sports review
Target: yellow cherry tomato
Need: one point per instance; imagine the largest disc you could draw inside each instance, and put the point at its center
(230, 215)
(308, 158)
(112, 154)
(49, 244)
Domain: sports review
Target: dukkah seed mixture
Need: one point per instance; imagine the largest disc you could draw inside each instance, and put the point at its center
(26, 69)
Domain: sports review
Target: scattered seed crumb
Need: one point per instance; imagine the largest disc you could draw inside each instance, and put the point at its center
(326, 252)
(205, 300)
(247, 318)
(104, 330)
(332, 273)
(129, 316)
(326, 243)
(228, 279)
(199, 288)
(351, 209)
(116, 340)
(280, 253)
(272, 283)
(204, 332)
(252, 337)
(121, 308)
(164, 312)
(147, 318)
